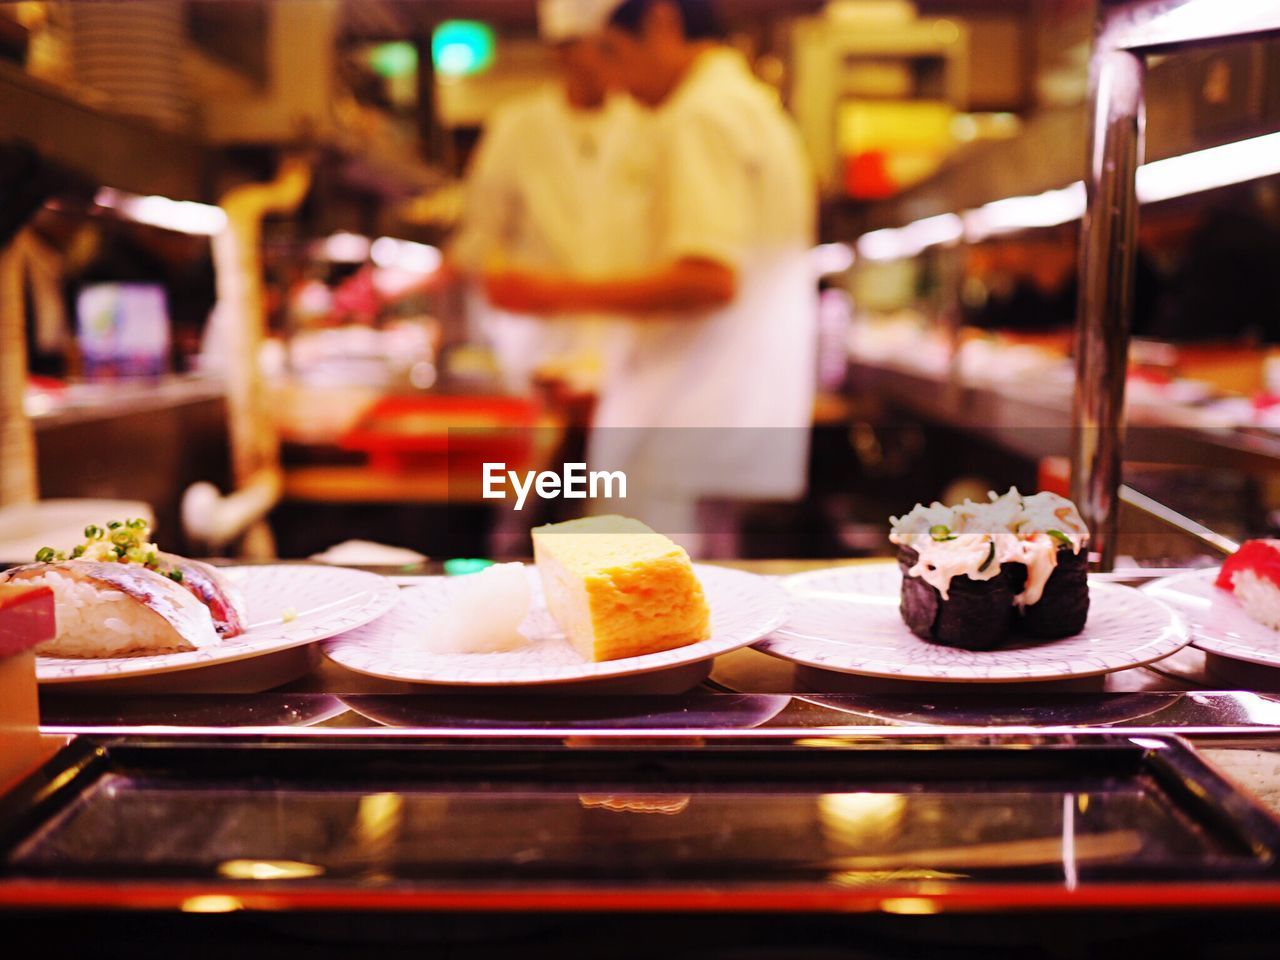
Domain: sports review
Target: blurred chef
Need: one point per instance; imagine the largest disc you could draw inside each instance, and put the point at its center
(711, 400)
(558, 183)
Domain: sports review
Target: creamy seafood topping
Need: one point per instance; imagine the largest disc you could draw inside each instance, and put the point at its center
(977, 539)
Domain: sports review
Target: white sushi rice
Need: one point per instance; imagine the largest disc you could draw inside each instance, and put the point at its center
(1259, 597)
(96, 621)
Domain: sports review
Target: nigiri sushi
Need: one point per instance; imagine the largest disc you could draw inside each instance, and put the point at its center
(484, 612)
(106, 609)
(206, 584)
(1252, 573)
(117, 595)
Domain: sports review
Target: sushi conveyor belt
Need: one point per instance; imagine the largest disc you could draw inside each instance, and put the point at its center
(1236, 732)
(1232, 721)
(842, 796)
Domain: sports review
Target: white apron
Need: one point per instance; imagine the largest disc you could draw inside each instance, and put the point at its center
(719, 404)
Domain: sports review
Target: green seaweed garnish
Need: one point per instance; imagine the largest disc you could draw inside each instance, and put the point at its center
(991, 555)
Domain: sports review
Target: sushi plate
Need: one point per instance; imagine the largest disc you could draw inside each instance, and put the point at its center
(744, 608)
(1218, 623)
(289, 605)
(846, 619)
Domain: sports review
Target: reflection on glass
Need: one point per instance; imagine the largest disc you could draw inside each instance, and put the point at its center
(851, 821)
(500, 832)
(664, 805)
(268, 870)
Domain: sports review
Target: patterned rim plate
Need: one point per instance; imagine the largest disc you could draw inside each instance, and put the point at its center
(846, 619)
(1218, 623)
(744, 607)
(327, 600)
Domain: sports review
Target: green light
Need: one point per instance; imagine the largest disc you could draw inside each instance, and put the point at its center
(460, 48)
(398, 59)
(458, 566)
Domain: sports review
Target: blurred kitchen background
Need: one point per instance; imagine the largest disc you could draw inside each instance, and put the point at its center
(222, 293)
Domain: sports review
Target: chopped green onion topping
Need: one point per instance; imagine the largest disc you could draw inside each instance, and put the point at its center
(1061, 537)
(175, 576)
(991, 555)
(941, 532)
(127, 540)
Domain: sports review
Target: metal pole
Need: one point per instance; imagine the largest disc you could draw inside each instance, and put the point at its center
(1106, 286)
(951, 270)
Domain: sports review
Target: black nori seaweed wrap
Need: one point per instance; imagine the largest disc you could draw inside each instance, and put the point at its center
(1015, 574)
(1063, 606)
(975, 616)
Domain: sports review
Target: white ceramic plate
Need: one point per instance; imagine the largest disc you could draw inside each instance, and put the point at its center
(1218, 623)
(744, 608)
(846, 619)
(327, 601)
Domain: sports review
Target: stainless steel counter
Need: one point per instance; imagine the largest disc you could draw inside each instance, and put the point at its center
(1037, 423)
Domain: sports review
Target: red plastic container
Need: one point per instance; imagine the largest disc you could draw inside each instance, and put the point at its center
(412, 433)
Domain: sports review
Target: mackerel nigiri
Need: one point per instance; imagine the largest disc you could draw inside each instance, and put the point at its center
(222, 597)
(108, 609)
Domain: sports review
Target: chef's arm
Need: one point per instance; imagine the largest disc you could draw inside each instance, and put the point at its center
(692, 283)
(689, 284)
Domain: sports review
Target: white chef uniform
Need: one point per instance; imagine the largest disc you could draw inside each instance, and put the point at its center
(560, 190)
(719, 404)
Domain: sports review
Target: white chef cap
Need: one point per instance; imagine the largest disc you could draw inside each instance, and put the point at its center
(561, 20)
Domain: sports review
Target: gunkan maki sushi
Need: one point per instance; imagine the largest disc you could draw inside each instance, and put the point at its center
(953, 591)
(974, 573)
(974, 614)
(1048, 568)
